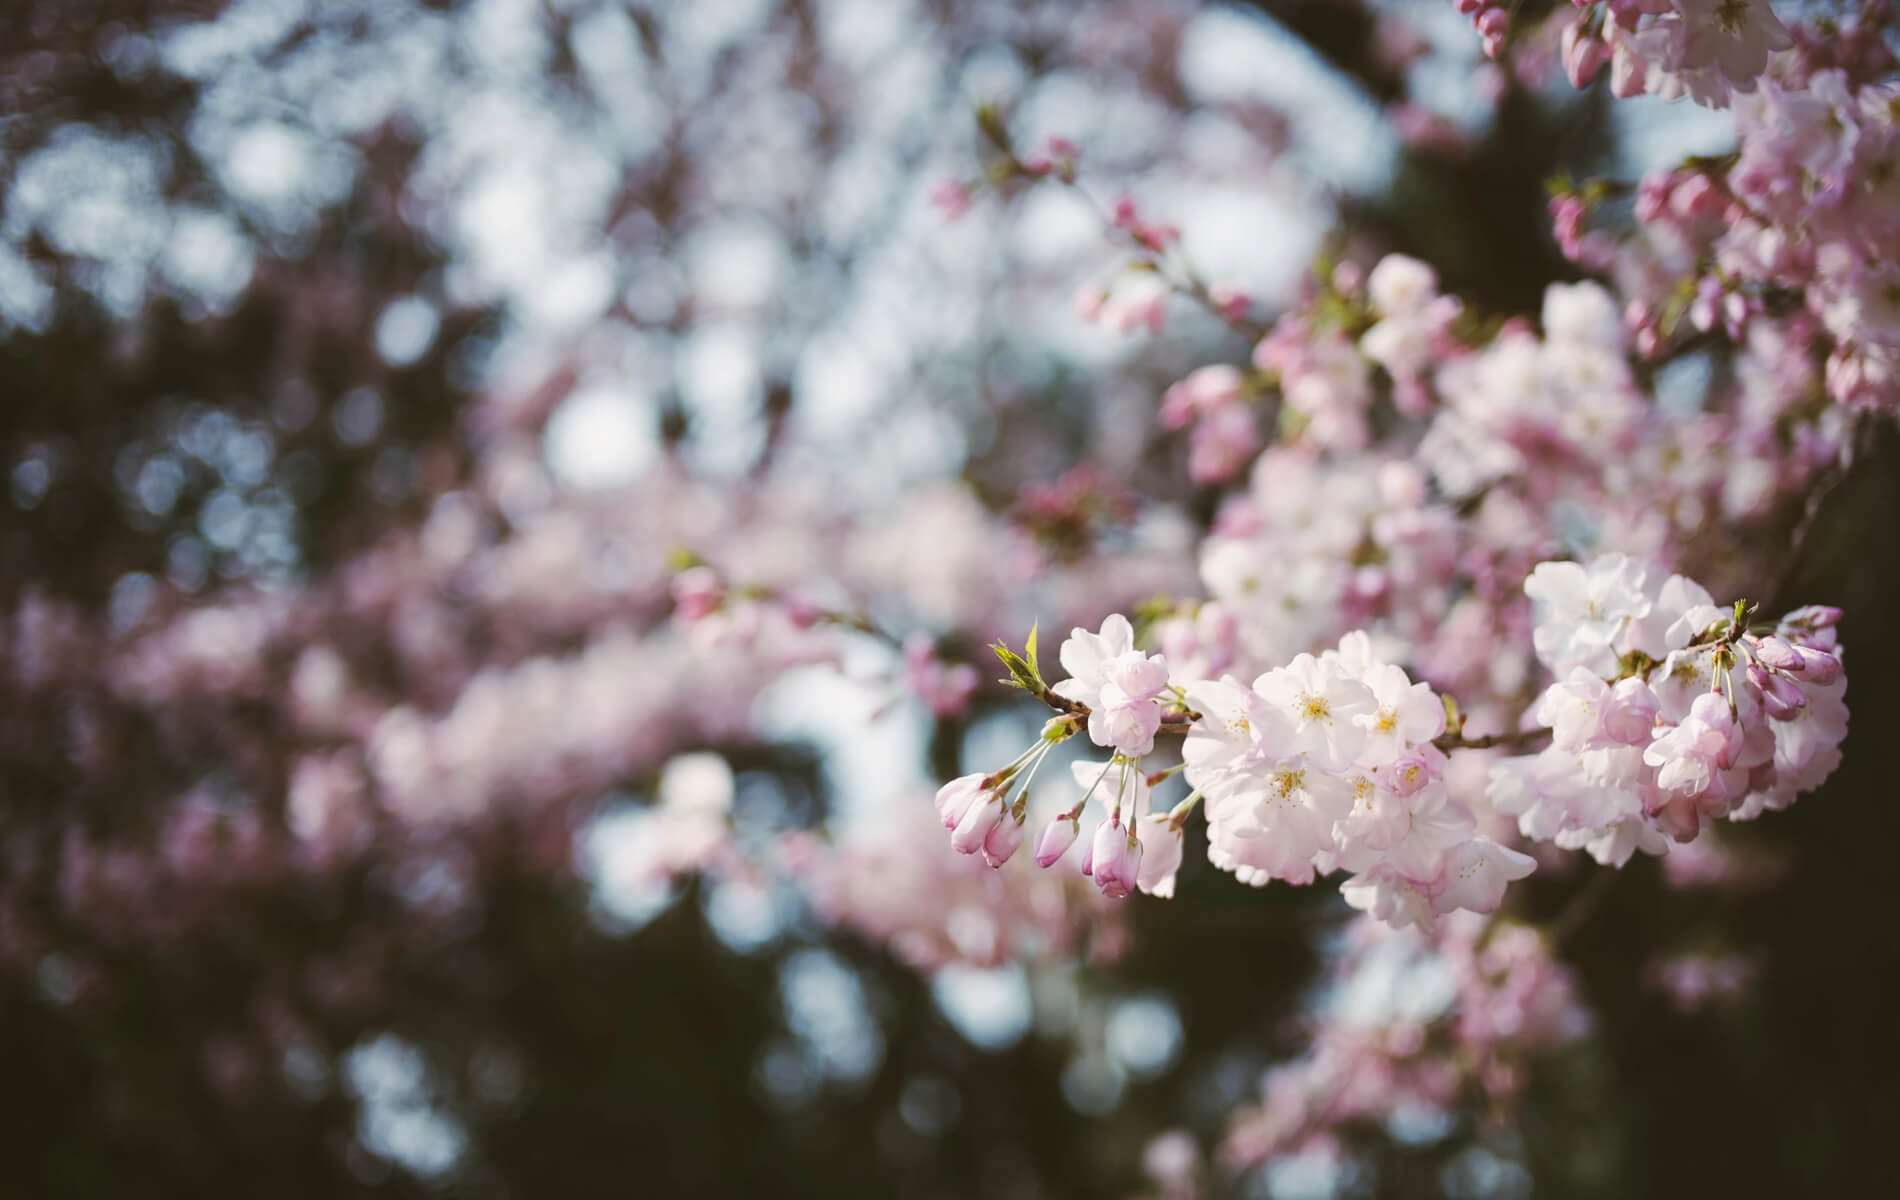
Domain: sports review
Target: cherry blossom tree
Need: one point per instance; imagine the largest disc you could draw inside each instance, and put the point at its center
(516, 507)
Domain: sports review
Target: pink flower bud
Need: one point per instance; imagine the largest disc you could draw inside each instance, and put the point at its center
(1003, 840)
(1233, 303)
(1626, 73)
(955, 798)
(974, 829)
(1116, 858)
(1814, 616)
(1056, 838)
(1818, 666)
(1583, 55)
(1781, 697)
(1776, 654)
(1156, 236)
(803, 614)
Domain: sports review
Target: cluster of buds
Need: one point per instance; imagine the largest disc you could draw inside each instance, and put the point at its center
(1123, 698)
(1132, 847)
(1153, 236)
(978, 811)
(1492, 19)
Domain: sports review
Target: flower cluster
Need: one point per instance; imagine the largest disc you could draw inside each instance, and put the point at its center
(1327, 764)
(1794, 231)
(1703, 49)
(1224, 436)
(1667, 713)
(1121, 696)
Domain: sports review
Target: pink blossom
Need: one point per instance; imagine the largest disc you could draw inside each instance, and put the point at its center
(1115, 859)
(1586, 613)
(1322, 705)
(1162, 845)
(1691, 757)
(1121, 685)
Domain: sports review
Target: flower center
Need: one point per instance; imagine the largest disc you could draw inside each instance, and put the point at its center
(1288, 782)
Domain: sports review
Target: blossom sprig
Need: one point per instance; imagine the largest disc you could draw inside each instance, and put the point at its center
(1668, 712)
(1323, 764)
(987, 812)
(1159, 268)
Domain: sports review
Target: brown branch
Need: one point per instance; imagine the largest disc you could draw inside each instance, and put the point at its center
(1174, 722)
(1523, 739)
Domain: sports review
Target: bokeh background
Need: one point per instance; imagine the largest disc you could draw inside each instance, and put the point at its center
(412, 343)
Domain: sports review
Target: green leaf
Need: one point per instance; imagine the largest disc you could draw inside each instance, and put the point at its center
(1030, 648)
(1023, 677)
